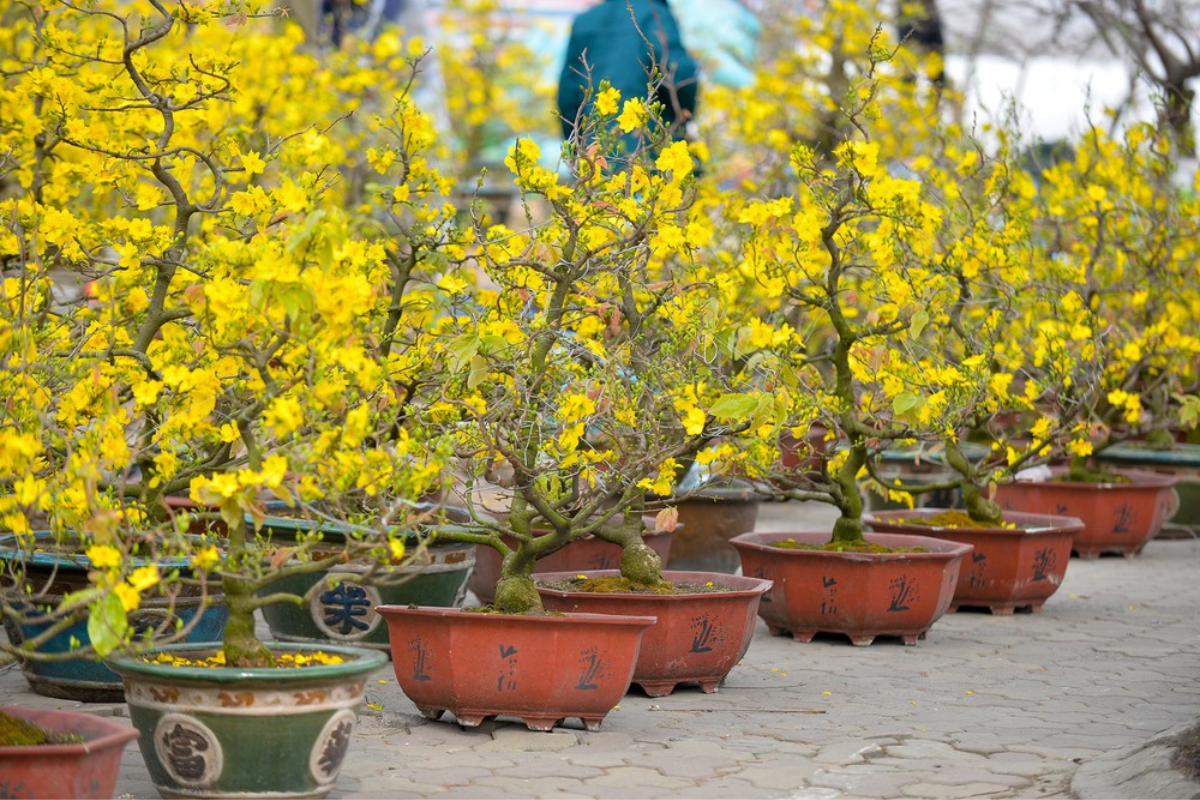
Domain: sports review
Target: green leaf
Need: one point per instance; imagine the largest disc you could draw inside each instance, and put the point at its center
(906, 405)
(917, 324)
(734, 407)
(107, 625)
(462, 350)
(478, 372)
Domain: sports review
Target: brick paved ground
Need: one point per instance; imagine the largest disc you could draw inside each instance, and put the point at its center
(984, 707)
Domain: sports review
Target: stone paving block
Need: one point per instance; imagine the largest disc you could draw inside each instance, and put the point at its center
(865, 780)
(605, 741)
(692, 766)
(640, 776)
(548, 768)
(779, 774)
(544, 786)
(941, 792)
(929, 749)
(852, 752)
(523, 740)
(964, 774)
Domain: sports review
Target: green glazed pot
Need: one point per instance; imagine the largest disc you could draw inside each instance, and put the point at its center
(213, 732)
(339, 604)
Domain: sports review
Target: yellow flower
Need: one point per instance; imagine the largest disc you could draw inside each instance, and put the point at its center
(143, 578)
(252, 162)
(676, 159)
(607, 101)
(396, 548)
(207, 558)
(633, 115)
(104, 556)
(130, 599)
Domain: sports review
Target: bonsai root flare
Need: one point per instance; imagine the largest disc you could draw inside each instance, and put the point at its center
(517, 595)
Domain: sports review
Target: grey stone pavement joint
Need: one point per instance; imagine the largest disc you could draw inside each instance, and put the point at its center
(1098, 696)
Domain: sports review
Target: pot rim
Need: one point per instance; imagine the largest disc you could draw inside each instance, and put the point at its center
(938, 548)
(565, 618)
(1180, 454)
(749, 586)
(11, 550)
(364, 660)
(108, 733)
(1140, 481)
(1061, 523)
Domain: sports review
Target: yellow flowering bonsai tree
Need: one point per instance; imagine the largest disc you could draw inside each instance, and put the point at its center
(887, 287)
(244, 338)
(585, 363)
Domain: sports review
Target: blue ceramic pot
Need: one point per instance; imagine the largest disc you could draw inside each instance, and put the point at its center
(85, 678)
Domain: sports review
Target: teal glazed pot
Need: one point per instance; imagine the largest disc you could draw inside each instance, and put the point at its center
(212, 732)
(1180, 460)
(339, 605)
(86, 678)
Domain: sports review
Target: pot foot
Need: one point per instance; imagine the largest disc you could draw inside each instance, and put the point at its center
(657, 688)
(910, 639)
(863, 641)
(591, 723)
(542, 723)
(471, 720)
(803, 636)
(432, 713)
(709, 687)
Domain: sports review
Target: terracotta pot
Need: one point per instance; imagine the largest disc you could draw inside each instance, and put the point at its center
(861, 595)
(1009, 568)
(580, 555)
(541, 669)
(87, 769)
(1182, 461)
(709, 519)
(1117, 517)
(211, 732)
(699, 636)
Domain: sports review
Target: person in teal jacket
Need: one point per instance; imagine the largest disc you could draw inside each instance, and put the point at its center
(606, 44)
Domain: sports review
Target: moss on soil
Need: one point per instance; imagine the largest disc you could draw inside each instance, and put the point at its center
(846, 547)
(17, 732)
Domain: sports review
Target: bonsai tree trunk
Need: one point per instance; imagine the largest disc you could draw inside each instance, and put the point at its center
(242, 647)
(979, 507)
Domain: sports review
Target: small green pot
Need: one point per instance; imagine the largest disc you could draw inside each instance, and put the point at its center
(339, 604)
(213, 732)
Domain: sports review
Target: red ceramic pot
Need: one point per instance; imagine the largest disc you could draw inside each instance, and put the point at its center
(699, 636)
(861, 595)
(541, 669)
(1009, 568)
(588, 553)
(1117, 517)
(84, 770)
